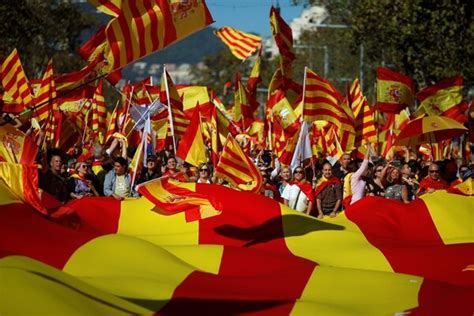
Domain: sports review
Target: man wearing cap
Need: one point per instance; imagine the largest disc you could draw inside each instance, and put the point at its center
(150, 171)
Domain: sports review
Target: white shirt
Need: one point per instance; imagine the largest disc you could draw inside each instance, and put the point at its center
(121, 188)
(295, 201)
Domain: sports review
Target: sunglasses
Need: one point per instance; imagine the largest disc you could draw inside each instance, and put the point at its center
(378, 170)
(204, 170)
(434, 171)
(298, 171)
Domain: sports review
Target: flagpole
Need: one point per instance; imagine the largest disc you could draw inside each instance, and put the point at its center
(129, 102)
(304, 92)
(170, 115)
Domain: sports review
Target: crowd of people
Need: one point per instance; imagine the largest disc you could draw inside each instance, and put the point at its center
(318, 188)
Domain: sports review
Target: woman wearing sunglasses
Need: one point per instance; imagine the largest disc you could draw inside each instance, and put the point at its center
(204, 174)
(80, 185)
(299, 194)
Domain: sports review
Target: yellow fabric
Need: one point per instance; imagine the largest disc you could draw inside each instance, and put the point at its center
(197, 152)
(37, 289)
(128, 267)
(107, 8)
(193, 95)
(15, 75)
(338, 291)
(394, 92)
(442, 100)
(331, 242)
(137, 219)
(438, 123)
(458, 227)
(11, 180)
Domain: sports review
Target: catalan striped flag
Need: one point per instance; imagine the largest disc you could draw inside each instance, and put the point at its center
(113, 124)
(322, 101)
(237, 168)
(15, 83)
(143, 27)
(241, 44)
(99, 113)
(394, 91)
(191, 147)
(284, 40)
(444, 99)
(45, 95)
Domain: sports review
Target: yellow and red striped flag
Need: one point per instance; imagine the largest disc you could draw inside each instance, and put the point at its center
(109, 7)
(99, 113)
(143, 27)
(444, 99)
(45, 95)
(394, 91)
(241, 44)
(244, 105)
(284, 40)
(237, 168)
(113, 126)
(322, 101)
(15, 83)
(191, 147)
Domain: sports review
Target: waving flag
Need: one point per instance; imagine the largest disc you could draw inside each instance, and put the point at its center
(394, 91)
(444, 99)
(237, 168)
(15, 83)
(45, 95)
(322, 101)
(283, 36)
(241, 44)
(99, 113)
(143, 27)
(256, 256)
(191, 147)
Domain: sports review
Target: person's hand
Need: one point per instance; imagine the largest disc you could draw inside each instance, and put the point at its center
(332, 214)
(79, 196)
(320, 216)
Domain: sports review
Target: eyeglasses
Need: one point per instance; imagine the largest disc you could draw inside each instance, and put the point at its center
(207, 170)
(298, 171)
(434, 171)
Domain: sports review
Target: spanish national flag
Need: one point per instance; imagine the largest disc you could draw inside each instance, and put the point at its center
(378, 257)
(444, 99)
(394, 91)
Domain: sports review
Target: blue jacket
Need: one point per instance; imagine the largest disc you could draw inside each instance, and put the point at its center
(109, 183)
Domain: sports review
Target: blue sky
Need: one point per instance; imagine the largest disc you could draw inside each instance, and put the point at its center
(250, 15)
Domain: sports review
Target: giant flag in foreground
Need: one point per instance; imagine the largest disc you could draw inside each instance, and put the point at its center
(108, 257)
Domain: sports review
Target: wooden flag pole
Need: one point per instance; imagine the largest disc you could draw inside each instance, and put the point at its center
(170, 115)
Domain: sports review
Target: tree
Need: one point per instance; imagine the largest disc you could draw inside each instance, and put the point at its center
(428, 40)
(43, 29)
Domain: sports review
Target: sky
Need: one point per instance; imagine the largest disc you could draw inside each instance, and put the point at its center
(250, 15)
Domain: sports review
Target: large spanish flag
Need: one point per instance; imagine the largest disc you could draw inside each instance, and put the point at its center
(102, 256)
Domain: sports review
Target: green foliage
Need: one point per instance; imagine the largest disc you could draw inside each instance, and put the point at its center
(41, 29)
(428, 40)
